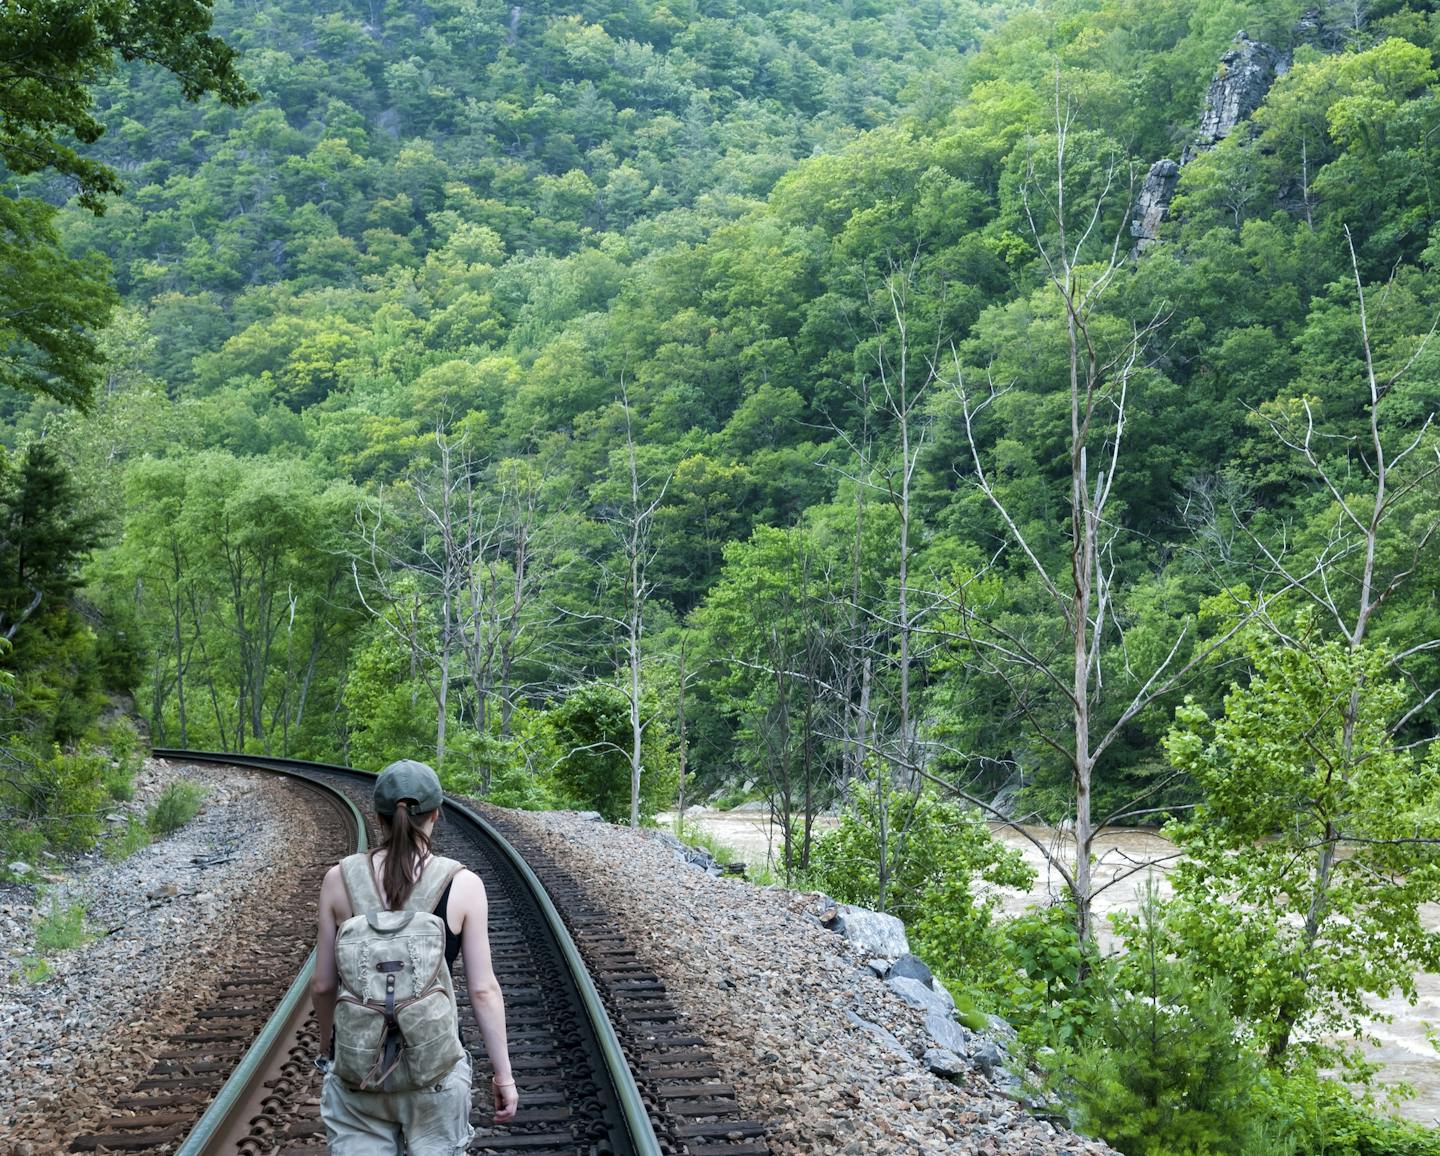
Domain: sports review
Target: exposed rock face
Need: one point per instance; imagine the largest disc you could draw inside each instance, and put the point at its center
(1245, 75)
(1152, 206)
(1246, 72)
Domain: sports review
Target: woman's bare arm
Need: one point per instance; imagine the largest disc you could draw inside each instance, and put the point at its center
(467, 899)
(334, 910)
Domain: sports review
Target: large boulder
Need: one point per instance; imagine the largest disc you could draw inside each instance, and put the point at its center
(944, 1062)
(946, 1033)
(872, 932)
(909, 967)
(933, 1001)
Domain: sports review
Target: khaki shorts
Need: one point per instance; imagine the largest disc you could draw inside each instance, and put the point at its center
(432, 1122)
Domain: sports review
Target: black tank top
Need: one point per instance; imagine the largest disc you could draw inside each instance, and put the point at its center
(452, 941)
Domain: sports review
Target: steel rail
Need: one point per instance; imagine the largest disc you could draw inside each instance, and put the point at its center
(634, 1116)
(220, 1119)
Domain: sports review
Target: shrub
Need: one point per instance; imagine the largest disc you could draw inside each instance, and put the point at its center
(71, 795)
(178, 804)
(126, 842)
(1048, 982)
(61, 928)
(60, 799)
(936, 852)
(119, 783)
(123, 742)
(34, 969)
(1324, 1118)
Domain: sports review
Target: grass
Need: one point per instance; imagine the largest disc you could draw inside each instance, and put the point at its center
(34, 969)
(61, 928)
(177, 805)
(695, 836)
(125, 843)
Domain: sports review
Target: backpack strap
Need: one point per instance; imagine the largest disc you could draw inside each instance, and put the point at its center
(431, 885)
(360, 886)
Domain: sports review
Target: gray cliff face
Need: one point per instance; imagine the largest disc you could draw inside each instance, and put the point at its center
(1152, 206)
(1246, 72)
(1245, 75)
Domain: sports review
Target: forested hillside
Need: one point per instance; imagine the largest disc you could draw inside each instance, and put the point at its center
(587, 398)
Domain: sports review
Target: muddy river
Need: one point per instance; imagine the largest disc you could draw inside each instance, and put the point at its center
(1402, 1050)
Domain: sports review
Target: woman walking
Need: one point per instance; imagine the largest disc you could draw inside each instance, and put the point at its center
(392, 1084)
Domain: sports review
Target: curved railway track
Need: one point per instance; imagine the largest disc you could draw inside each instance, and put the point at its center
(605, 1065)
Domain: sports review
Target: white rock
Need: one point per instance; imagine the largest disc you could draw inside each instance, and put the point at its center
(873, 932)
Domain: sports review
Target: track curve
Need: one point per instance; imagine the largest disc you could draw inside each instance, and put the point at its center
(577, 1092)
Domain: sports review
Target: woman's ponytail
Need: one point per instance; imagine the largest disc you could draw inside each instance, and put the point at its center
(405, 844)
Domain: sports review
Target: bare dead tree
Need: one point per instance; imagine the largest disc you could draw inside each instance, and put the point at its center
(1069, 665)
(458, 526)
(631, 522)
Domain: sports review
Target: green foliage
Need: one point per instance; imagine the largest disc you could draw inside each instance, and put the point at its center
(122, 741)
(1162, 1069)
(131, 838)
(45, 533)
(178, 803)
(65, 796)
(923, 858)
(1051, 986)
(1308, 863)
(712, 209)
(515, 785)
(591, 734)
(34, 969)
(55, 53)
(61, 928)
(1323, 1117)
(387, 707)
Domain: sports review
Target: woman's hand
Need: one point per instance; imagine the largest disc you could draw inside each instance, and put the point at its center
(507, 1099)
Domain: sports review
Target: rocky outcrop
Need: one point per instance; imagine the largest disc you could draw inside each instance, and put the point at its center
(1246, 72)
(1152, 206)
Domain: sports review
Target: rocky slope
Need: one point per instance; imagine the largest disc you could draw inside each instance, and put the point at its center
(814, 1041)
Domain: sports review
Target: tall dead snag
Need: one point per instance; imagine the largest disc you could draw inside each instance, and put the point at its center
(457, 527)
(1066, 658)
(628, 509)
(876, 674)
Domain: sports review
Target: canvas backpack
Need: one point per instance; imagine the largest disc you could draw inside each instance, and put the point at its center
(396, 1024)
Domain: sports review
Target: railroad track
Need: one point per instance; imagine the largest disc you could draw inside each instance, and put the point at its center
(605, 1065)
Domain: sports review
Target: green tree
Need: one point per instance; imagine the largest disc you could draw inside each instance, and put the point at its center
(1315, 845)
(52, 55)
(590, 731)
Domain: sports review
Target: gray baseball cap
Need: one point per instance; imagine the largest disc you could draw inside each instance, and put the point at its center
(410, 780)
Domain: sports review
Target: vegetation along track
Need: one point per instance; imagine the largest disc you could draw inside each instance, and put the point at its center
(604, 1064)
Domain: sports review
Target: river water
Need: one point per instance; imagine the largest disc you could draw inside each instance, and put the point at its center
(1401, 1046)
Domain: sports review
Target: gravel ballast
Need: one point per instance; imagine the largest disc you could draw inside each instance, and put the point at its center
(815, 1045)
(784, 1005)
(164, 922)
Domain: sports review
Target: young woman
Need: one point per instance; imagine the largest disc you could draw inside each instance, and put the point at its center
(431, 1122)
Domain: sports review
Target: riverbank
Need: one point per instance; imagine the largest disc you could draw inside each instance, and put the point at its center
(1125, 859)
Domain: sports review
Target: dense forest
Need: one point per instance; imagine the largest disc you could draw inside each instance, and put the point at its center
(831, 400)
